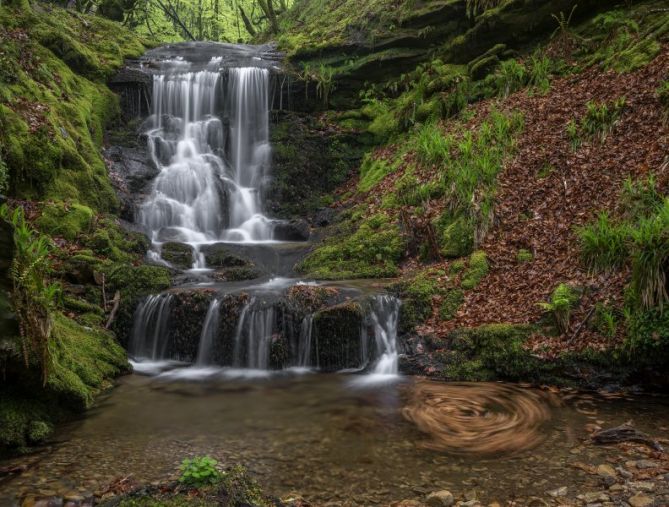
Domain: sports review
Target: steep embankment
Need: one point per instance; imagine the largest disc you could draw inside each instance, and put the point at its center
(494, 162)
(71, 256)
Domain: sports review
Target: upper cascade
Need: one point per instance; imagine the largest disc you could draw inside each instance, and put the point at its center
(208, 134)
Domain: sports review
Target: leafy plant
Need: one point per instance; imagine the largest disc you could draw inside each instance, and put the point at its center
(199, 472)
(640, 198)
(604, 244)
(539, 73)
(561, 305)
(601, 118)
(4, 175)
(573, 135)
(34, 299)
(476, 7)
(650, 259)
(510, 76)
(563, 22)
(663, 95)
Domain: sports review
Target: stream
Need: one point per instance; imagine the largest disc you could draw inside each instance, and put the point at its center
(327, 438)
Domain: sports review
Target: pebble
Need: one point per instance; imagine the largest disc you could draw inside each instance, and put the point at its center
(442, 498)
(641, 500)
(642, 486)
(606, 471)
(590, 496)
(624, 473)
(558, 492)
(615, 488)
(646, 463)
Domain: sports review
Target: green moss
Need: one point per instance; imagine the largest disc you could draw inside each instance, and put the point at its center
(83, 362)
(179, 255)
(64, 219)
(456, 236)
(490, 352)
(80, 305)
(417, 294)
(371, 250)
(450, 303)
(523, 256)
(476, 270)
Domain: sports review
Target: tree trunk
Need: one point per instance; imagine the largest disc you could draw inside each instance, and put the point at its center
(247, 22)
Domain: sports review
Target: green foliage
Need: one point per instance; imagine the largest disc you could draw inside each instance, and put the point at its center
(199, 472)
(452, 300)
(417, 293)
(640, 199)
(372, 249)
(540, 67)
(605, 320)
(647, 342)
(601, 118)
(4, 175)
(373, 170)
(573, 134)
(523, 256)
(432, 146)
(650, 259)
(604, 245)
(476, 7)
(563, 299)
(456, 235)
(34, 299)
(476, 270)
(490, 352)
(511, 76)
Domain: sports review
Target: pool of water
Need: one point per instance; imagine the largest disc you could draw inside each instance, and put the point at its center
(334, 438)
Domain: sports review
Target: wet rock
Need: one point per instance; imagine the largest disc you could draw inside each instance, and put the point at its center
(324, 217)
(179, 255)
(407, 503)
(623, 472)
(556, 493)
(442, 498)
(642, 486)
(130, 170)
(222, 255)
(590, 496)
(641, 500)
(606, 471)
(646, 463)
(292, 230)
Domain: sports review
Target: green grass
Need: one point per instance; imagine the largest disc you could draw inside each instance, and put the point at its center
(604, 244)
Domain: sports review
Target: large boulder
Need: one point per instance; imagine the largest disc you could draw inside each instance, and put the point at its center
(179, 255)
(292, 230)
(131, 170)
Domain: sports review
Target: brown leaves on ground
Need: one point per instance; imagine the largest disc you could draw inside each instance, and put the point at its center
(540, 214)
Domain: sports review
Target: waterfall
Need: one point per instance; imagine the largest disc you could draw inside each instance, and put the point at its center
(253, 337)
(209, 333)
(304, 344)
(150, 327)
(208, 189)
(384, 317)
(250, 152)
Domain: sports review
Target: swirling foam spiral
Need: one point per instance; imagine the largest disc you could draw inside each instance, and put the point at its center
(477, 417)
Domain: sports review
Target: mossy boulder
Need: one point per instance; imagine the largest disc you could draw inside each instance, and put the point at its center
(133, 283)
(220, 255)
(477, 268)
(179, 255)
(67, 220)
(455, 235)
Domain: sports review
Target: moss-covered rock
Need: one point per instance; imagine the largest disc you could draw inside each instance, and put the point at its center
(373, 249)
(476, 270)
(65, 219)
(134, 282)
(179, 255)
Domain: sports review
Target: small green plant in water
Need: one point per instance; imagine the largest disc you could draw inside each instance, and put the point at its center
(561, 305)
(200, 472)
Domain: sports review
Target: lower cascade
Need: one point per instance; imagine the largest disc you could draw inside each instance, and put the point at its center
(263, 334)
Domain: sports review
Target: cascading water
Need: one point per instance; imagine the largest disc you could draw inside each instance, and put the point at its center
(209, 333)
(199, 171)
(253, 337)
(304, 343)
(150, 327)
(385, 316)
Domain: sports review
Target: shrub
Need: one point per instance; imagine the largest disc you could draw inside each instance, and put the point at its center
(604, 245)
(560, 306)
(199, 472)
(650, 259)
